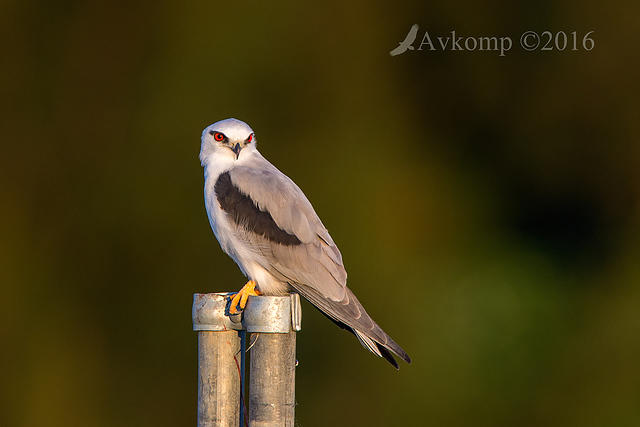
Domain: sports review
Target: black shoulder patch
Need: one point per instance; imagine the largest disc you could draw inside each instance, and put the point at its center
(244, 212)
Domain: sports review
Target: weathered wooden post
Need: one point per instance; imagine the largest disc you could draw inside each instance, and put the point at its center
(272, 322)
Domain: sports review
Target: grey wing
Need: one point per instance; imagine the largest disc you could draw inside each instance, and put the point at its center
(313, 267)
(316, 259)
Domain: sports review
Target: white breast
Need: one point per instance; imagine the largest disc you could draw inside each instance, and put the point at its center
(220, 224)
(250, 262)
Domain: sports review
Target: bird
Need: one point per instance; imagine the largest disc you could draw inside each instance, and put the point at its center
(407, 42)
(266, 224)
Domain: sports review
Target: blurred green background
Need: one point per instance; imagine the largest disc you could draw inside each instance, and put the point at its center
(486, 207)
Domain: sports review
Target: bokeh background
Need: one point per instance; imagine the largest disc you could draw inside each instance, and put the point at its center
(486, 207)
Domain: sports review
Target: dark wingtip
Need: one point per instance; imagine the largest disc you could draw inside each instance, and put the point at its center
(404, 356)
(394, 347)
(388, 356)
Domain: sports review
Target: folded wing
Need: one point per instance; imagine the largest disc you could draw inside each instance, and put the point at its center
(275, 218)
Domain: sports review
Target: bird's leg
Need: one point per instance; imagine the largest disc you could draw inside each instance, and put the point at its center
(241, 296)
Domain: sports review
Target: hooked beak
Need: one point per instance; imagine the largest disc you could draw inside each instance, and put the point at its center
(236, 150)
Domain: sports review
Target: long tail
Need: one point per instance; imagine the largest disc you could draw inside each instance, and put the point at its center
(349, 314)
(383, 350)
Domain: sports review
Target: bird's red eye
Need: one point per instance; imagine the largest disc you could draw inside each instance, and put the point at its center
(250, 138)
(218, 136)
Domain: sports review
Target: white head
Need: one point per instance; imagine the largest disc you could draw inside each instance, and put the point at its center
(226, 140)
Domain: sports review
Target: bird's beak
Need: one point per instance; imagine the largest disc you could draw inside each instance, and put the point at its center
(236, 149)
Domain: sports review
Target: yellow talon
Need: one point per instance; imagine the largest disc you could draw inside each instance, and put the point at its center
(241, 296)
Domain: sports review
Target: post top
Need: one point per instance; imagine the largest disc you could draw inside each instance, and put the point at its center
(270, 314)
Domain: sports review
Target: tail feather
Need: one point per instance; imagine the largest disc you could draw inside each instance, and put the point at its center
(350, 315)
(367, 342)
(388, 356)
(379, 349)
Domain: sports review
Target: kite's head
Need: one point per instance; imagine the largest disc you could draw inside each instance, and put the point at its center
(225, 139)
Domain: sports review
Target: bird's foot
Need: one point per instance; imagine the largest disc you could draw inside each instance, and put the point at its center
(241, 296)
